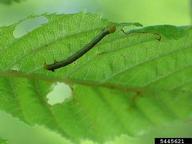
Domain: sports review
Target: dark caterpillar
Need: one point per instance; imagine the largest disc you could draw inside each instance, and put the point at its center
(56, 65)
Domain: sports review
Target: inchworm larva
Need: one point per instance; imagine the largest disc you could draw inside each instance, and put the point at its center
(81, 52)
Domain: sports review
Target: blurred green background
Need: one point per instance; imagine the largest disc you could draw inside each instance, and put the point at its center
(147, 12)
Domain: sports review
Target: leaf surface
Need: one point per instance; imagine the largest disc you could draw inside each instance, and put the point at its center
(127, 84)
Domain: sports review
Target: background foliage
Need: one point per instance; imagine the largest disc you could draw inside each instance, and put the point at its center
(9, 1)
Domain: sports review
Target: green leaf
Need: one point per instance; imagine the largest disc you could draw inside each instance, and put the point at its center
(9, 1)
(3, 141)
(126, 84)
(168, 31)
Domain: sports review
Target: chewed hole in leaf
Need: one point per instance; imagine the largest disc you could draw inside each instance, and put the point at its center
(60, 92)
(15, 68)
(128, 28)
(85, 141)
(29, 25)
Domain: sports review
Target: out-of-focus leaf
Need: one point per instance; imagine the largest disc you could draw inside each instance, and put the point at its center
(3, 141)
(9, 1)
